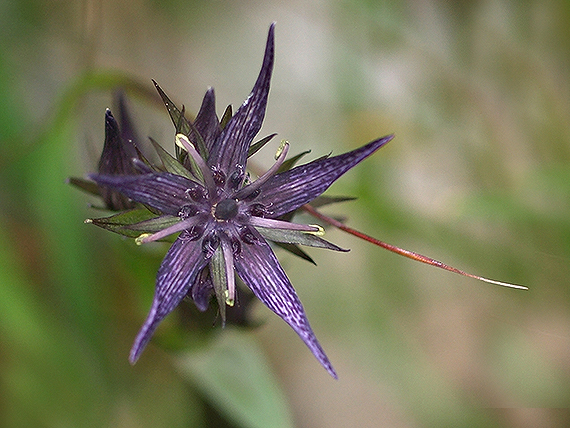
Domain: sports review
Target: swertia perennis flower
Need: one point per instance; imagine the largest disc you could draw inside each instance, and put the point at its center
(223, 218)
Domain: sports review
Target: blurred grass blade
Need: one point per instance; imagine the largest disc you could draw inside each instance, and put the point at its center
(234, 376)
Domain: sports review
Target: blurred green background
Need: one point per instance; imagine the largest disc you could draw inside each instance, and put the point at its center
(478, 176)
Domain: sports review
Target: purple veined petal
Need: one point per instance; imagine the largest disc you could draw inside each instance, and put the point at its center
(207, 122)
(232, 146)
(128, 132)
(163, 191)
(178, 271)
(202, 291)
(289, 190)
(258, 267)
(116, 156)
(115, 159)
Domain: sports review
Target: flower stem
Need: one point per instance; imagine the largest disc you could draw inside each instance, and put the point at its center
(406, 253)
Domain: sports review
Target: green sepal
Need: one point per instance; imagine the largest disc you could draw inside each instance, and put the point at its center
(200, 143)
(220, 281)
(117, 223)
(170, 163)
(291, 162)
(288, 236)
(85, 185)
(296, 251)
(155, 224)
(181, 123)
(321, 201)
(226, 116)
(255, 147)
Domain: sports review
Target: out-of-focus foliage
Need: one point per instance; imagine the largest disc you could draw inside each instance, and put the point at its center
(478, 176)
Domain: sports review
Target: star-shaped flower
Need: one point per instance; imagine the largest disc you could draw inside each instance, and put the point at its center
(224, 219)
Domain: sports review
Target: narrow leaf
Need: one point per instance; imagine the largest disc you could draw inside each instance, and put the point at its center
(255, 147)
(291, 162)
(288, 236)
(170, 163)
(155, 224)
(116, 223)
(181, 123)
(220, 281)
(233, 374)
(296, 251)
(321, 201)
(226, 116)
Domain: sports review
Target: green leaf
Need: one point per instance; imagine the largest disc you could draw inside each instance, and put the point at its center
(117, 222)
(154, 224)
(296, 251)
(226, 116)
(170, 163)
(296, 237)
(321, 201)
(233, 374)
(290, 163)
(181, 123)
(220, 281)
(255, 147)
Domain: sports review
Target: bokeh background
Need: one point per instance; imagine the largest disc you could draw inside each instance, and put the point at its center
(478, 176)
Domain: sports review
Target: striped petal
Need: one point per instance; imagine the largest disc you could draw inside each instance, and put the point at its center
(163, 191)
(258, 267)
(207, 122)
(177, 273)
(289, 190)
(232, 146)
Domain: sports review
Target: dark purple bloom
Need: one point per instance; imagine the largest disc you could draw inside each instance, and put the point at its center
(118, 152)
(224, 219)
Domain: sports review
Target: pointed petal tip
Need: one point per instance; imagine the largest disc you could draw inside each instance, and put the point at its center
(110, 121)
(385, 139)
(144, 335)
(133, 357)
(332, 372)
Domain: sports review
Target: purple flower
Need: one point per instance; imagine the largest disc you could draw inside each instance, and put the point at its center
(224, 219)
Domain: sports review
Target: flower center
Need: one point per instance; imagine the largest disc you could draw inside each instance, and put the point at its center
(226, 209)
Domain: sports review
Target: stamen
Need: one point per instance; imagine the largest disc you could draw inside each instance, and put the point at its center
(184, 224)
(182, 141)
(280, 224)
(248, 190)
(229, 264)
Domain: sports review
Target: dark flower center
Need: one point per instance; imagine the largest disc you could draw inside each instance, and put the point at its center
(226, 209)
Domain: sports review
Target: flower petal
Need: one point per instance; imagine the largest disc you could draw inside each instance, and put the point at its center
(207, 122)
(176, 274)
(115, 159)
(289, 190)
(117, 153)
(202, 291)
(163, 191)
(258, 267)
(128, 132)
(232, 146)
